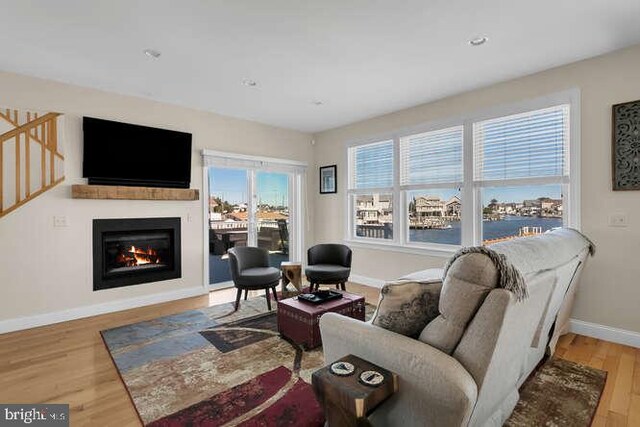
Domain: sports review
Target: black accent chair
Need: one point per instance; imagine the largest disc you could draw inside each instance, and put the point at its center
(328, 264)
(250, 271)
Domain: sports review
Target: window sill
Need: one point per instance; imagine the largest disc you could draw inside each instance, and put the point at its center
(442, 252)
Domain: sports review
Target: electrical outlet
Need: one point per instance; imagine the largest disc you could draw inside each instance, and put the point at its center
(60, 221)
(618, 220)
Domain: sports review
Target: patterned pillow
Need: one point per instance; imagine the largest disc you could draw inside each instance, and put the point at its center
(405, 307)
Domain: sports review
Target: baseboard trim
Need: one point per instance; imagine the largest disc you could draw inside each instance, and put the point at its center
(369, 281)
(28, 322)
(607, 333)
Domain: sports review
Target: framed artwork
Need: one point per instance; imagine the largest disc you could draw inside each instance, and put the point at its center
(328, 179)
(625, 146)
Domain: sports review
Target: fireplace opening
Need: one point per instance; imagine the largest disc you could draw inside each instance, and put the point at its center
(134, 251)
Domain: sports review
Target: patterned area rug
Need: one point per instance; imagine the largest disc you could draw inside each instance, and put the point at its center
(560, 393)
(217, 367)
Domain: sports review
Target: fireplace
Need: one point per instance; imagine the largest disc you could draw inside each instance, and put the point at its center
(133, 251)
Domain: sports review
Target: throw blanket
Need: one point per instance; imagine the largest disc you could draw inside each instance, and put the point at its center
(519, 259)
(531, 255)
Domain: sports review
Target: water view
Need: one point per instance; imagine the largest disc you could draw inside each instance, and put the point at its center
(435, 216)
(505, 228)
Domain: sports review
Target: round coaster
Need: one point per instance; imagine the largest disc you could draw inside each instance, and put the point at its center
(342, 369)
(371, 378)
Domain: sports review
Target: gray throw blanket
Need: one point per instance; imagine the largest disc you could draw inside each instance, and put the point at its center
(509, 276)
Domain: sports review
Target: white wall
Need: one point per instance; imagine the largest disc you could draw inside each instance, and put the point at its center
(45, 269)
(610, 287)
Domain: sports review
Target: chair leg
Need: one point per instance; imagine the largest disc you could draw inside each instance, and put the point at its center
(275, 293)
(238, 294)
(266, 293)
(246, 291)
(343, 285)
(337, 285)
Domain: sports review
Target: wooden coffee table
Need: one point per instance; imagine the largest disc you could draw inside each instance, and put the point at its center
(346, 400)
(300, 321)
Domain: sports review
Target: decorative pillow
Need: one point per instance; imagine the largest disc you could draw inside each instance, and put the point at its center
(406, 307)
(468, 280)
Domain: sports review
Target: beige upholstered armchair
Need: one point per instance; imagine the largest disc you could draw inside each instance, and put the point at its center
(466, 365)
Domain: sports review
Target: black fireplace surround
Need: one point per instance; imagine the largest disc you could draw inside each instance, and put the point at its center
(134, 251)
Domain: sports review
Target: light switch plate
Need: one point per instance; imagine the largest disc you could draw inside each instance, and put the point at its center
(59, 221)
(618, 220)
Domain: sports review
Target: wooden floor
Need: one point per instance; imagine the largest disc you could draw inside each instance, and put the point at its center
(620, 402)
(68, 363)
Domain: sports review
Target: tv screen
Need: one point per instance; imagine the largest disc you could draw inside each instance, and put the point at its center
(125, 154)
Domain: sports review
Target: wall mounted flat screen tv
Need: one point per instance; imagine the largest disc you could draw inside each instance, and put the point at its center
(124, 154)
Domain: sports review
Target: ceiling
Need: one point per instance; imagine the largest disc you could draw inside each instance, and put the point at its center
(360, 58)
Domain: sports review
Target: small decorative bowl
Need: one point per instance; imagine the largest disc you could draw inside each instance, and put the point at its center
(371, 378)
(342, 369)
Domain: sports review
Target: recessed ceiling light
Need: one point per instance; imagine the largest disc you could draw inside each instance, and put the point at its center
(478, 41)
(317, 103)
(249, 82)
(151, 53)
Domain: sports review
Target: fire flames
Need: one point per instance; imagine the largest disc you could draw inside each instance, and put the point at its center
(137, 256)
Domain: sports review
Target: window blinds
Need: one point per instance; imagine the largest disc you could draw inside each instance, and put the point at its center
(371, 165)
(534, 144)
(432, 157)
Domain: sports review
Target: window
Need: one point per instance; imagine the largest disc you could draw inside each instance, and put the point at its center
(480, 179)
(521, 168)
(431, 172)
(371, 181)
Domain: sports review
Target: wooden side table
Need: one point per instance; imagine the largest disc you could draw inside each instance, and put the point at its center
(347, 401)
(291, 273)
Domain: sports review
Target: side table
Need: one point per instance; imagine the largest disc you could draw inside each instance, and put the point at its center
(347, 401)
(291, 273)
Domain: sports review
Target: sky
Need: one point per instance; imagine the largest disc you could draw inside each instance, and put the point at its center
(231, 185)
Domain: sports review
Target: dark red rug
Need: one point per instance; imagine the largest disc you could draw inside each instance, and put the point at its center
(297, 406)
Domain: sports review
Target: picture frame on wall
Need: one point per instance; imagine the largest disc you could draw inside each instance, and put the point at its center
(328, 179)
(625, 155)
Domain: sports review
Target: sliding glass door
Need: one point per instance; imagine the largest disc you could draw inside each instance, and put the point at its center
(228, 218)
(256, 205)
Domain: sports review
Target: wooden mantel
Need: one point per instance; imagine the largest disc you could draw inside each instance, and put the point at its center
(79, 191)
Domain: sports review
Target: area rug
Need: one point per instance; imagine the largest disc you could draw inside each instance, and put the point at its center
(217, 367)
(560, 393)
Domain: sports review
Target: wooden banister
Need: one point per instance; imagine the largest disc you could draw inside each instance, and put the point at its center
(44, 131)
(28, 126)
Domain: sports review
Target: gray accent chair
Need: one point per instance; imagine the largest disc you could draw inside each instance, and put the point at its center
(250, 270)
(467, 365)
(328, 264)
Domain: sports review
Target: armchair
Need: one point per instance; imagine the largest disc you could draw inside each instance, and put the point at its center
(328, 263)
(250, 270)
(471, 379)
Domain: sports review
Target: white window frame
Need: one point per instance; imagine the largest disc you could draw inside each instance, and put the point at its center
(254, 164)
(470, 193)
